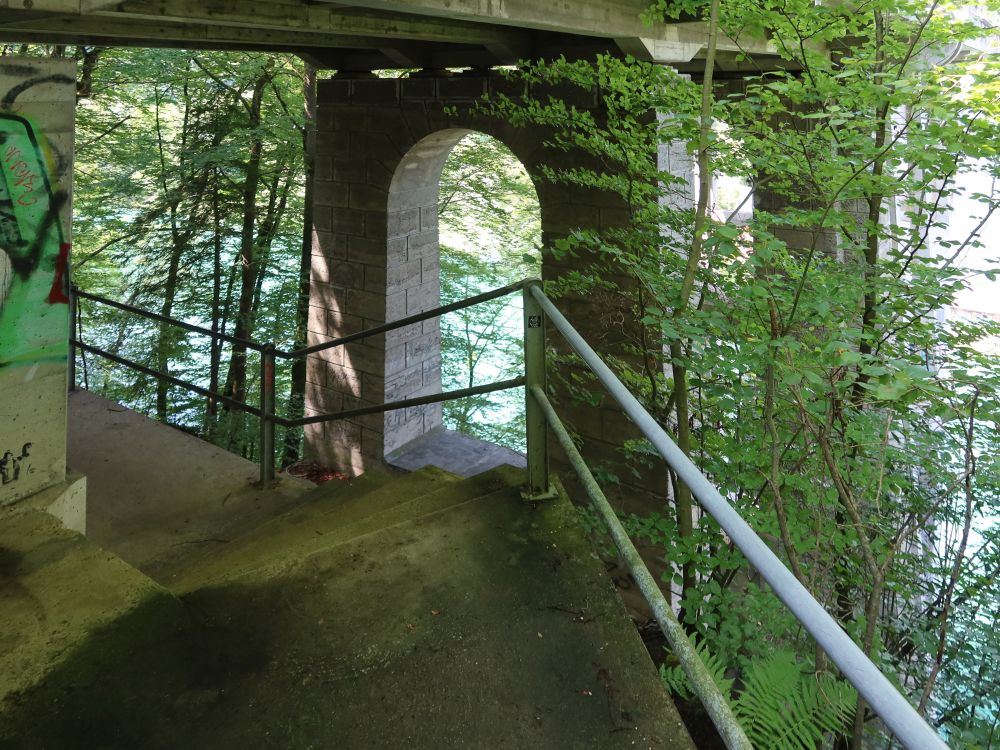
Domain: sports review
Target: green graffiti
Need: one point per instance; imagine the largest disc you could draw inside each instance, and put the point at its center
(34, 316)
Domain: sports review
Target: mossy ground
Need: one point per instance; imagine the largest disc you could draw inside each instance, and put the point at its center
(487, 624)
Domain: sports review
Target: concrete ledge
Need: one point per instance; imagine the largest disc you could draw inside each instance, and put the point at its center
(66, 501)
(456, 452)
(57, 591)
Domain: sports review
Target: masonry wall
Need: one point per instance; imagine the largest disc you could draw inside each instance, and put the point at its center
(381, 144)
(37, 102)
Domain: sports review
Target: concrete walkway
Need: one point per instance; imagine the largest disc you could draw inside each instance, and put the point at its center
(154, 493)
(414, 611)
(421, 611)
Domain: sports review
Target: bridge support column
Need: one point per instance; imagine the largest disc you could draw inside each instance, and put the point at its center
(36, 178)
(380, 147)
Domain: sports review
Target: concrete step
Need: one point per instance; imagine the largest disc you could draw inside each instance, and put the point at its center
(60, 592)
(336, 515)
(372, 492)
(155, 494)
(462, 454)
(486, 624)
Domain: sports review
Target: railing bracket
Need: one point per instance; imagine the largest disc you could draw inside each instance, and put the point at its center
(537, 497)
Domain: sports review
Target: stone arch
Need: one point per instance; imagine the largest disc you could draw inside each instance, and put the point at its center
(380, 146)
(413, 271)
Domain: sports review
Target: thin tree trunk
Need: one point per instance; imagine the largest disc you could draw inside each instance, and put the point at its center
(218, 324)
(683, 505)
(297, 390)
(249, 260)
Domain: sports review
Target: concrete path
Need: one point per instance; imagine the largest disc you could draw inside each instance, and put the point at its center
(57, 588)
(459, 618)
(155, 492)
(416, 611)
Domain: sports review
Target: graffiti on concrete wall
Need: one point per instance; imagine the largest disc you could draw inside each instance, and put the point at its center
(37, 104)
(33, 255)
(14, 466)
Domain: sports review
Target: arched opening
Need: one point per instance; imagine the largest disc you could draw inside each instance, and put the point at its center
(463, 217)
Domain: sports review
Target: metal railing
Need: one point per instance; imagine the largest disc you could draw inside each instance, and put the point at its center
(899, 716)
(265, 410)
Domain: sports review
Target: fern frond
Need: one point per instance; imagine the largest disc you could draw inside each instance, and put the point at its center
(677, 682)
(783, 708)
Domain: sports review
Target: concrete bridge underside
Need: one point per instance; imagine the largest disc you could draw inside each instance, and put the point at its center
(369, 34)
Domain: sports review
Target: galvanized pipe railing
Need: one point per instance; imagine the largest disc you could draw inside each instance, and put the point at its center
(704, 686)
(269, 355)
(901, 718)
(409, 320)
(218, 335)
(137, 366)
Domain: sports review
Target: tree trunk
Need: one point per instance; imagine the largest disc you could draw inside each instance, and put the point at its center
(249, 260)
(297, 390)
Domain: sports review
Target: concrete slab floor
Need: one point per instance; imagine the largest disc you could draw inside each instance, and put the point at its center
(56, 589)
(488, 624)
(154, 492)
(456, 452)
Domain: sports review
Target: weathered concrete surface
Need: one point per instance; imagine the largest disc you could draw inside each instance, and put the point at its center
(66, 501)
(455, 452)
(155, 493)
(56, 589)
(331, 514)
(460, 623)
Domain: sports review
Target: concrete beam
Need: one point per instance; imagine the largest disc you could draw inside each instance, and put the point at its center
(109, 29)
(63, 6)
(306, 19)
(658, 50)
(618, 19)
(682, 42)
(606, 18)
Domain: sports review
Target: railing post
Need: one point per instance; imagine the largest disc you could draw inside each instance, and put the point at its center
(73, 328)
(538, 486)
(266, 412)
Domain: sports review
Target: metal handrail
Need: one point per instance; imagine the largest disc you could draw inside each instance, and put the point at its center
(434, 398)
(268, 356)
(901, 718)
(909, 727)
(708, 692)
(316, 348)
(253, 345)
(407, 321)
(232, 402)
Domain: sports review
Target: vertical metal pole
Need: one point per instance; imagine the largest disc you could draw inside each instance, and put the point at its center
(538, 486)
(73, 328)
(266, 412)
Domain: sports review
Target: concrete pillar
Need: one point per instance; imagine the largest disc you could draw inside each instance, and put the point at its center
(37, 103)
(381, 144)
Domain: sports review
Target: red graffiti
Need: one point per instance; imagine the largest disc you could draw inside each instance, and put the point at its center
(59, 294)
(24, 176)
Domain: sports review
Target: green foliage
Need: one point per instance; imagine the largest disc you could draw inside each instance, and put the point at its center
(490, 231)
(846, 422)
(779, 705)
(189, 203)
(676, 681)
